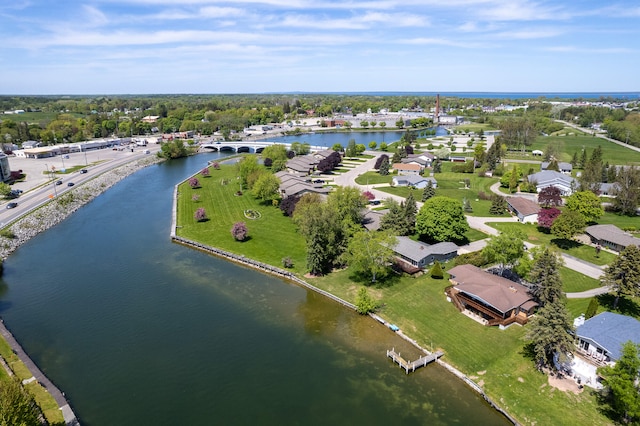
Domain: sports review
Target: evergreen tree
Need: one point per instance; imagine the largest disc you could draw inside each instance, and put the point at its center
(592, 309)
(394, 221)
(17, 406)
(466, 206)
(437, 166)
(428, 192)
(621, 392)
(384, 166)
(410, 211)
(623, 274)
(494, 155)
(544, 277)
(583, 159)
(498, 205)
(396, 158)
(436, 271)
(550, 333)
(627, 190)
(574, 159)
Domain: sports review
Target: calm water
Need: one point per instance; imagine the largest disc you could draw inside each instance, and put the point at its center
(329, 139)
(138, 331)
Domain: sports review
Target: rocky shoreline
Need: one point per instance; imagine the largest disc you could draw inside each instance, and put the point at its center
(54, 212)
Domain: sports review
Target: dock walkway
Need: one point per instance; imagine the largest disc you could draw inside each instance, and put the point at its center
(411, 366)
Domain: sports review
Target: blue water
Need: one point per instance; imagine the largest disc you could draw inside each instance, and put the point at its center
(328, 139)
(503, 95)
(137, 330)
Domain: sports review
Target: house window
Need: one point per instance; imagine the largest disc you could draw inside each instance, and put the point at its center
(584, 345)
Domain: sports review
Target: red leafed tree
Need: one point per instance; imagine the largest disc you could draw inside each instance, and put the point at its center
(550, 197)
(369, 195)
(546, 217)
(205, 172)
(194, 182)
(239, 231)
(200, 215)
(215, 165)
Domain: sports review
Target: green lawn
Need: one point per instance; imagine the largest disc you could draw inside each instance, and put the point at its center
(373, 178)
(567, 145)
(575, 282)
(490, 356)
(532, 235)
(224, 209)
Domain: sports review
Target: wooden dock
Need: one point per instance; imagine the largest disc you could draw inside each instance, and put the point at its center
(411, 366)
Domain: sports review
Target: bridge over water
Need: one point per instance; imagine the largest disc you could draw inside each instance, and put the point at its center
(248, 146)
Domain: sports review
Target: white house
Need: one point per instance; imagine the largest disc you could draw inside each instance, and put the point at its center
(420, 182)
(566, 184)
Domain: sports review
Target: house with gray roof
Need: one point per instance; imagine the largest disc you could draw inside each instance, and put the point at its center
(525, 210)
(415, 181)
(565, 168)
(611, 236)
(566, 184)
(304, 164)
(420, 255)
(601, 338)
(488, 298)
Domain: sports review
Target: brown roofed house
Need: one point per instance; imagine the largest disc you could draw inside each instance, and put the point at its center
(489, 299)
(525, 209)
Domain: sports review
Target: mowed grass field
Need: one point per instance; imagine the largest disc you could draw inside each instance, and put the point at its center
(566, 146)
(494, 358)
(271, 237)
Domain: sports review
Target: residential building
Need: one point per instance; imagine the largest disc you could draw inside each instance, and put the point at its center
(565, 168)
(566, 184)
(419, 182)
(488, 298)
(420, 255)
(601, 338)
(407, 169)
(525, 210)
(611, 236)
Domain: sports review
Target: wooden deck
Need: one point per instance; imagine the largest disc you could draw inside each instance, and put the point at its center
(411, 366)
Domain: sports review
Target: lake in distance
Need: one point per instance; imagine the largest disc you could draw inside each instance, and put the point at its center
(137, 330)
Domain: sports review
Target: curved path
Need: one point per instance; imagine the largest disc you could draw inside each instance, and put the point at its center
(591, 270)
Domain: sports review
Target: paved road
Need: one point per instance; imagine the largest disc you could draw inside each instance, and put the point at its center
(479, 223)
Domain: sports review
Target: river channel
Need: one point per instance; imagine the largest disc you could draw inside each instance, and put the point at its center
(328, 139)
(138, 330)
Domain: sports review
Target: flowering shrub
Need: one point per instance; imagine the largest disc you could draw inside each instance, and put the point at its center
(194, 182)
(205, 172)
(239, 231)
(195, 197)
(200, 215)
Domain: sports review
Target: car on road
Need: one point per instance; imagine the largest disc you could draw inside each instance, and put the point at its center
(70, 183)
(83, 171)
(12, 205)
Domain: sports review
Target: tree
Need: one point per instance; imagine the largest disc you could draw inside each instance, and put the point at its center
(384, 166)
(268, 162)
(288, 205)
(266, 187)
(337, 147)
(627, 191)
(322, 230)
(400, 123)
(494, 155)
(277, 152)
(437, 166)
(364, 302)
(351, 151)
(5, 189)
(383, 146)
(17, 406)
(550, 196)
(546, 217)
(436, 271)
(194, 182)
(587, 204)
(370, 253)
(621, 389)
(505, 249)
(173, 149)
(550, 333)
(379, 161)
(591, 175)
(395, 219)
(246, 166)
(623, 274)
(592, 309)
(349, 203)
(518, 132)
(568, 224)
(200, 215)
(428, 192)
(239, 231)
(544, 277)
(410, 211)
(498, 205)
(441, 219)
(373, 144)
(205, 172)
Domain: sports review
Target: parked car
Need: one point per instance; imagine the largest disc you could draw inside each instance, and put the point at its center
(12, 205)
(70, 183)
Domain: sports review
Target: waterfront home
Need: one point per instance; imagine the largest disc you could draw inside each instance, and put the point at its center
(611, 236)
(419, 255)
(525, 210)
(488, 298)
(566, 184)
(304, 164)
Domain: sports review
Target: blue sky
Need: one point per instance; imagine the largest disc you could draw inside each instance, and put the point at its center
(256, 46)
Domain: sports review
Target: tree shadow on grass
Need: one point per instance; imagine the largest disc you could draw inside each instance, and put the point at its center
(247, 238)
(626, 306)
(528, 352)
(381, 282)
(565, 244)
